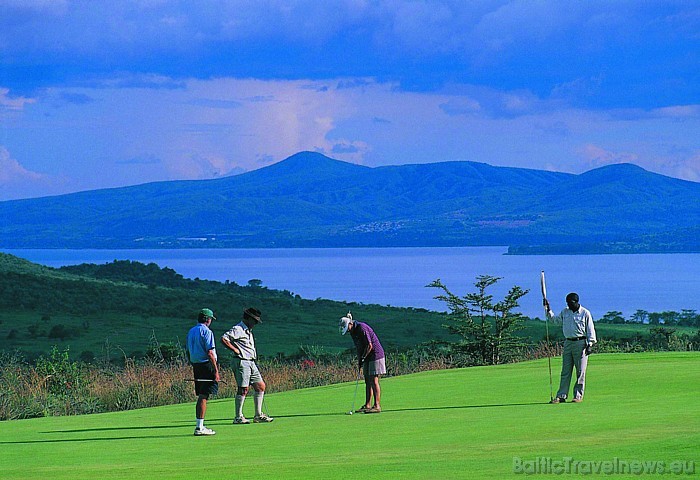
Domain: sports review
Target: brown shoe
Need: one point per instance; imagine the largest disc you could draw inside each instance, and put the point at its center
(577, 400)
(557, 400)
(374, 410)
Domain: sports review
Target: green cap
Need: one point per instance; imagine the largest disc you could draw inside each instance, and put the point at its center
(207, 313)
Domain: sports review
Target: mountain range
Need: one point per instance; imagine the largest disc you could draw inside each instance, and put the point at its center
(310, 200)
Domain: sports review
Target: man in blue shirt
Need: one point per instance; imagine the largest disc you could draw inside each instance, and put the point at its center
(202, 354)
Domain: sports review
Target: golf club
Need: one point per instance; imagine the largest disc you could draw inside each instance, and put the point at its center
(354, 397)
(546, 327)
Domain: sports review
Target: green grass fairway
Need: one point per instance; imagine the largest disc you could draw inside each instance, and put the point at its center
(467, 423)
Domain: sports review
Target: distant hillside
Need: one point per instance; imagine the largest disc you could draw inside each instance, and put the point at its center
(310, 200)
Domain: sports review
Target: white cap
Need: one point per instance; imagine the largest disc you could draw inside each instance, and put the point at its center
(344, 324)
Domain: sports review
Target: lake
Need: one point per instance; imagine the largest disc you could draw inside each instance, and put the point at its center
(397, 276)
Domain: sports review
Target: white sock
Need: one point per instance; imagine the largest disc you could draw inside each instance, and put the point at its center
(258, 399)
(240, 399)
(200, 422)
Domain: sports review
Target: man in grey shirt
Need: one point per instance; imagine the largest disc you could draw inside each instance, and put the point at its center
(579, 335)
(239, 339)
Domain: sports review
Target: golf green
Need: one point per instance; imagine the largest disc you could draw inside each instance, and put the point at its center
(641, 411)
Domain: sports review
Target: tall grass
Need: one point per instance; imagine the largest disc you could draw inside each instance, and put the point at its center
(55, 385)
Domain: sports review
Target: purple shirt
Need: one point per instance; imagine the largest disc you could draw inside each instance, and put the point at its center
(362, 334)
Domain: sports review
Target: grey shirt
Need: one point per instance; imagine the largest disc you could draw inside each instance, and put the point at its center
(242, 337)
(577, 324)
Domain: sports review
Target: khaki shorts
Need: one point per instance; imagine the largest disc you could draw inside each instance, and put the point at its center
(374, 367)
(246, 372)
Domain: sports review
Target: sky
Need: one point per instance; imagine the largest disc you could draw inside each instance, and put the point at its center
(100, 94)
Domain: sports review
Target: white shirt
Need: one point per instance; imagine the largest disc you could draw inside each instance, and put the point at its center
(242, 337)
(577, 324)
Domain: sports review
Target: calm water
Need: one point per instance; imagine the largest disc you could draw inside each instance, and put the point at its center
(397, 276)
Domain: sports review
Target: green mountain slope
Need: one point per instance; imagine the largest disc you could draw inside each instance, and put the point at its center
(476, 423)
(312, 200)
(119, 309)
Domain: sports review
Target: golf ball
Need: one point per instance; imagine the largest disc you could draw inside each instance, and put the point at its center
(350, 412)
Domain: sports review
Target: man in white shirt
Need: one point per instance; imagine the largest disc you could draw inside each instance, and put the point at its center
(579, 335)
(239, 339)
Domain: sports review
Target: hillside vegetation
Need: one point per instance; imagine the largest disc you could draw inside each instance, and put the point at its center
(121, 308)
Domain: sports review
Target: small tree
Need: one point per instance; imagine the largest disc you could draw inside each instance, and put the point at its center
(640, 316)
(612, 317)
(487, 329)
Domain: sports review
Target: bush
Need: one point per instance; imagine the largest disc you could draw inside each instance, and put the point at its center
(165, 352)
(61, 332)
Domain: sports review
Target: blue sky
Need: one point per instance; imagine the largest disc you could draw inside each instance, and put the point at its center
(97, 94)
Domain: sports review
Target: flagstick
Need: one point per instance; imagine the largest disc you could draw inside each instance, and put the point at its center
(546, 327)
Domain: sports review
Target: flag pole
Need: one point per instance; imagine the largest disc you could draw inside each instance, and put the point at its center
(546, 327)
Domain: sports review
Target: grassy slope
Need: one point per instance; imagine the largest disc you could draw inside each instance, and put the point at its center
(466, 423)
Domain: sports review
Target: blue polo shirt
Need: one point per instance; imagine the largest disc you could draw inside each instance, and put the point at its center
(200, 339)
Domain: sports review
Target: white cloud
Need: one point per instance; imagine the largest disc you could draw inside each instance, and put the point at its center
(12, 172)
(13, 103)
(595, 156)
(18, 182)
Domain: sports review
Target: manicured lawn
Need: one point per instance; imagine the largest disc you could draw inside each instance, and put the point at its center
(468, 423)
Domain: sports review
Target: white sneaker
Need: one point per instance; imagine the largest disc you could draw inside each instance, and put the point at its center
(198, 432)
(262, 418)
(240, 421)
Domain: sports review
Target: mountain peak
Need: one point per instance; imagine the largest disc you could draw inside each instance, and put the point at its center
(312, 164)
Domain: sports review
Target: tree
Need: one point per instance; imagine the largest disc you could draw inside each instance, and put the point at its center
(612, 317)
(654, 318)
(662, 335)
(487, 328)
(670, 317)
(640, 316)
(689, 318)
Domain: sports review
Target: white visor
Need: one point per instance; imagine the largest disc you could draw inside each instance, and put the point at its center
(343, 325)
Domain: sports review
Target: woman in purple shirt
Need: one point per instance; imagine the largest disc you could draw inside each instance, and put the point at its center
(370, 355)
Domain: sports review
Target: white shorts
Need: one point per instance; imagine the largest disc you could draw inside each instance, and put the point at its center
(246, 372)
(374, 367)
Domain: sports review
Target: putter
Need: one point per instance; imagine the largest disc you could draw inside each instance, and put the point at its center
(546, 327)
(354, 397)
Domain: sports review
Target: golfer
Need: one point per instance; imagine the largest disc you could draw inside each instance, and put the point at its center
(201, 350)
(579, 334)
(370, 355)
(241, 342)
